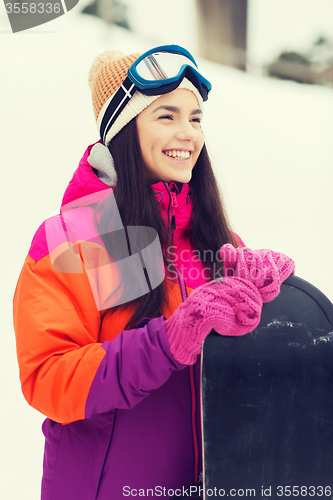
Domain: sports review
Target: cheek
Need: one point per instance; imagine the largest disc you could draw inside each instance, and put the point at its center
(199, 145)
(201, 140)
(144, 139)
(148, 141)
(152, 146)
(145, 150)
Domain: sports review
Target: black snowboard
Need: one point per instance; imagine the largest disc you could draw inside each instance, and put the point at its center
(267, 402)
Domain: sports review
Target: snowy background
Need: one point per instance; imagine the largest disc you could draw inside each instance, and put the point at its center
(270, 142)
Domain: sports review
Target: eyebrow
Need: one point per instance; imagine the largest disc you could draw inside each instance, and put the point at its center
(175, 109)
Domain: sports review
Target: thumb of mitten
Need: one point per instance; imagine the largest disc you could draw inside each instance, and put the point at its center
(228, 254)
(234, 262)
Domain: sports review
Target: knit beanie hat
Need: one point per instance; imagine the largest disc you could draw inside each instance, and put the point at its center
(107, 74)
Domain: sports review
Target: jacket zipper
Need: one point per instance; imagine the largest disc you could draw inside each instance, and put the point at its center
(174, 205)
(182, 285)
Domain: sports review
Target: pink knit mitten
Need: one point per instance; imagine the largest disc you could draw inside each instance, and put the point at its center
(231, 306)
(264, 268)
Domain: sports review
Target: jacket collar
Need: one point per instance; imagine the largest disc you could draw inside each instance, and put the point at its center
(85, 181)
(163, 190)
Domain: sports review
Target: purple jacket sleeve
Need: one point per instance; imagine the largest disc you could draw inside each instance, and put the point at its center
(137, 361)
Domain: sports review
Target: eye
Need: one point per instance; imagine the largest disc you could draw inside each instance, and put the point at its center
(166, 117)
(196, 120)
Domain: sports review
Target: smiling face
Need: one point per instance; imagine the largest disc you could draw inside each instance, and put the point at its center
(170, 136)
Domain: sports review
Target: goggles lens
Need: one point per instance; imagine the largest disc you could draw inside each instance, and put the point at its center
(162, 66)
(160, 70)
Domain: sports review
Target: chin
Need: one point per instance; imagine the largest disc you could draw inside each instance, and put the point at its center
(183, 177)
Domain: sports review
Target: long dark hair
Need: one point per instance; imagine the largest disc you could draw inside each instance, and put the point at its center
(138, 206)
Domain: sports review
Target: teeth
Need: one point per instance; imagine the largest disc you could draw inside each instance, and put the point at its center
(177, 154)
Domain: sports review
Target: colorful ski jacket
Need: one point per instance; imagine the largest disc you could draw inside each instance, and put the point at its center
(123, 415)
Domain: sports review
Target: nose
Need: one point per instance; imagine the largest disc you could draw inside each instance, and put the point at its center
(187, 132)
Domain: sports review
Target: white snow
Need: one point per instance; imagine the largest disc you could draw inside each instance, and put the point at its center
(270, 142)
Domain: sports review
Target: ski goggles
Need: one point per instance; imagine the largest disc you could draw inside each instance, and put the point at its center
(160, 70)
(157, 71)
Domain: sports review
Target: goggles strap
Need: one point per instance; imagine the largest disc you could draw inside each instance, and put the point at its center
(117, 103)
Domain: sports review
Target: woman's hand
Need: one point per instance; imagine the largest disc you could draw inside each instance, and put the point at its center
(231, 306)
(266, 269)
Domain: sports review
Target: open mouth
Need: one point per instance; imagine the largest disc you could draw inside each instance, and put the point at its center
(177, 154)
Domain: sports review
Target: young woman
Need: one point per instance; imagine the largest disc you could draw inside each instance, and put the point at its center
(119, 290)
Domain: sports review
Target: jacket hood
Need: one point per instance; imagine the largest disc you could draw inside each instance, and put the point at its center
(84, 181)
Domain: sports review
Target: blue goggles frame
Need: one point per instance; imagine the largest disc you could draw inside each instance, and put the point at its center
(158, 84)
(166, 84)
